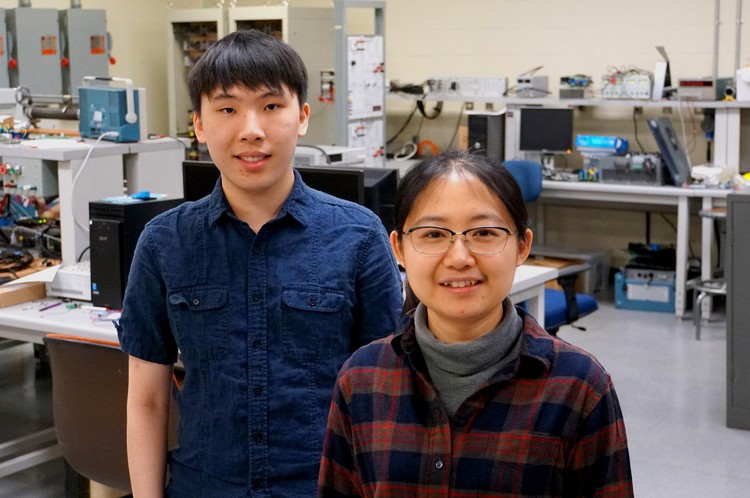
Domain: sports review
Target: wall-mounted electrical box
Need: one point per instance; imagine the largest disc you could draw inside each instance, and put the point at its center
(35, 59)
(4, 75)
(85, 46)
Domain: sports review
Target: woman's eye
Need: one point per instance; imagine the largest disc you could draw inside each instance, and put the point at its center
(434, 234)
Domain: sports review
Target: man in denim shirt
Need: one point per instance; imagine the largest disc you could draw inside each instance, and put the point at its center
(265, 287)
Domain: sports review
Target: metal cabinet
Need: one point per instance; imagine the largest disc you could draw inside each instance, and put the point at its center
(738, 312)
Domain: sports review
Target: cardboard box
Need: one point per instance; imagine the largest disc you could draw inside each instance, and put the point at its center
(12, 294)
(558, 263)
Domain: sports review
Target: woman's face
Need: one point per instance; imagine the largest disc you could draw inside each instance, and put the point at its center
(463, 291)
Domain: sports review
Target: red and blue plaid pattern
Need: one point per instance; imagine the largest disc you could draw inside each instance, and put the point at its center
(547, 425)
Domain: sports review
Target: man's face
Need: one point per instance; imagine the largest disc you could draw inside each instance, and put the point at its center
(251, 136)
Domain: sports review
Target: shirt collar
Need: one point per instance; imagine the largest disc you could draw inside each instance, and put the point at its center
(537, 346)
(297, 206)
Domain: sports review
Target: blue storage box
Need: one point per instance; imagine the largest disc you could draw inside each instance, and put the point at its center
(645, 290)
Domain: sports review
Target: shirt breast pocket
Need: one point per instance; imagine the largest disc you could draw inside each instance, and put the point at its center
(312, 323)
(524, 460)
(200, 320)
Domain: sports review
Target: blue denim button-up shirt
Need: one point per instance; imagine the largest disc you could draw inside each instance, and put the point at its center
(262, 323)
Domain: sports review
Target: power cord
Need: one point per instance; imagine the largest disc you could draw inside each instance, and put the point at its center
(80, 170)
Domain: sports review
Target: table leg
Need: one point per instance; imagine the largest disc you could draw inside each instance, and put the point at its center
(683, 236)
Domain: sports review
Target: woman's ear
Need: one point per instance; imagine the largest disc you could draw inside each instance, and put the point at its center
(524, 247)
(396, 248)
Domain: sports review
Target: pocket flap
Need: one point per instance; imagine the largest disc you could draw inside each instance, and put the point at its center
(200, 299)
(313, 300)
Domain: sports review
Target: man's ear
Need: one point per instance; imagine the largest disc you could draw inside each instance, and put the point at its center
(304, 120)
(198, 128)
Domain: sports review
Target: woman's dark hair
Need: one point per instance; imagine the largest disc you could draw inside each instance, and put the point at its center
(251, 59)
(495, 177)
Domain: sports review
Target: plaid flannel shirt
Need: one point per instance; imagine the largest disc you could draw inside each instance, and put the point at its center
(549, 424)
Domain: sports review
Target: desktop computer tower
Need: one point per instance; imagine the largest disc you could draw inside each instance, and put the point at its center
(487, 134)
(114, 230)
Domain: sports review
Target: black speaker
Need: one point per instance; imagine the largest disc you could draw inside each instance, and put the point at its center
(487, 134)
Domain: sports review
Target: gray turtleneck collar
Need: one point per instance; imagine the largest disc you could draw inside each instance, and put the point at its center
(458, 370)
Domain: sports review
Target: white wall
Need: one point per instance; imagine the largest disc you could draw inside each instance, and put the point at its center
(485, 38)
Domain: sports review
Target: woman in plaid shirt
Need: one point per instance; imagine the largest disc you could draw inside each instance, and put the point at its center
(470, 397)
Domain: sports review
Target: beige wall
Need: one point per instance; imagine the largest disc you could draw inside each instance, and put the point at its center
(427, 38)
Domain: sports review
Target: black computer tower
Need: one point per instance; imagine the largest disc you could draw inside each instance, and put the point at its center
(114, 228)
(487, 134)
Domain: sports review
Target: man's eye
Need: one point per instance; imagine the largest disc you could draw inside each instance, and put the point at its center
(227, 110)
(272, 107)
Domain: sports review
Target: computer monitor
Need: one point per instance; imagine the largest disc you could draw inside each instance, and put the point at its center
(199, 179)
(546, 129)
(674, 155)
(374, 188)
(380, 194)
(344, 183)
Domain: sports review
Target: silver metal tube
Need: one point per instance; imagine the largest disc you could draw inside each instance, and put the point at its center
(75, 4)
(36, 112)
(717, 23)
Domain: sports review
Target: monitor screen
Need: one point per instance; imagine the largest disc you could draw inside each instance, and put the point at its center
(344, 183)
(199, 179)
(672, 151)
(546, 129)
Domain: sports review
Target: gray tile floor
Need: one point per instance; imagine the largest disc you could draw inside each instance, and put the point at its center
(671, 387)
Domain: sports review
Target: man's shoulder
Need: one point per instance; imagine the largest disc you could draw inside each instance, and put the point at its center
(178, 220)
(328, 204)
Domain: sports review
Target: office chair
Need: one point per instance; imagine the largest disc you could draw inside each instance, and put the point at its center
(89, 397)
(561, 307)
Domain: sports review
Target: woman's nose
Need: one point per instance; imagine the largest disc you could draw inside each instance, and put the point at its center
(458, 254)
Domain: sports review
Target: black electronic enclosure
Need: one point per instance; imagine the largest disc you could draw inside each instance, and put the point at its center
(486, 132)
(546, 129)
(671, 149)
(374, 188)
(114, 228)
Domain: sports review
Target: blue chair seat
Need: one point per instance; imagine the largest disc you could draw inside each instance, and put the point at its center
(556, 309)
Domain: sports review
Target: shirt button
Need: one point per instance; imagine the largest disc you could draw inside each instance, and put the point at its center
(196, 302)
(256, 296)
(438, 464)
(256, 250)
(313, 301)
(258, 391)
(258, 437)
(257, 343)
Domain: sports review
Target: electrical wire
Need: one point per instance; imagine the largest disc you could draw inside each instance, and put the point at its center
(458, 125)
(635, 130)
(403, 127)
(682, 125)
(318, 148)
(437, 110)
(80, 170)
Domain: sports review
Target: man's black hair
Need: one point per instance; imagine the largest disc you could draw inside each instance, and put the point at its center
(251, 59)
